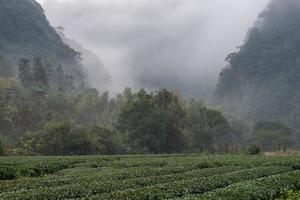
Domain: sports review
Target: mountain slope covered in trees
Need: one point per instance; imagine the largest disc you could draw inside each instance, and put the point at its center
(26, 32)
(261, 82)
(98, 75)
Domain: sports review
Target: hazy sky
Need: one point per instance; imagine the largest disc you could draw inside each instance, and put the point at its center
(179, 44)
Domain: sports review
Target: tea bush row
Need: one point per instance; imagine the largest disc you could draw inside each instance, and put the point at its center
(259, 189)
(192, 186)
(76, 189)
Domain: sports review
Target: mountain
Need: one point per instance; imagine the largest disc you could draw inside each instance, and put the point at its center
(98, 75)
(26, 32)
(261, 81)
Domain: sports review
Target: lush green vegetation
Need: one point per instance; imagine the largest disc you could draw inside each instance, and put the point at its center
(289, 195)
(272, 136)
(261, 81)
(26, 32)
(148, 177)
(43, 113)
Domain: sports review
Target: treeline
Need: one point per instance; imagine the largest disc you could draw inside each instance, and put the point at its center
(44, 112)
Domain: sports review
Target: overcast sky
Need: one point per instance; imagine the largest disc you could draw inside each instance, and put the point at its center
(180, 44)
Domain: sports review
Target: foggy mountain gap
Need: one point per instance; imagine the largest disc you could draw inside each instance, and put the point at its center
(175, 44)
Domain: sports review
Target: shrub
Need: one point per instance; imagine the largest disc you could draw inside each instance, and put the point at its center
(107, 141)
(265, 188)
(7, 173)
(289, 195)
(253, 149)
(1, 146)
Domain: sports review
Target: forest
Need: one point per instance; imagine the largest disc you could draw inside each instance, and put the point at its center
(43, 112)
(261, 81)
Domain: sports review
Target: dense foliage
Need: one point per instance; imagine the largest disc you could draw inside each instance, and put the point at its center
(208, 130)
(26, 32)
(154, 121)
(43, 113)
(261, 82)
(149, 177)
(272, 136)
(253, 149)
(289, 195)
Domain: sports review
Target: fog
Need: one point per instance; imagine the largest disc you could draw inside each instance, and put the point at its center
(178, 44)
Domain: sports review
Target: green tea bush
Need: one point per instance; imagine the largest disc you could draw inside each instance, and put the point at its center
(193, 186)
(260, 189)
(148, 177)
(289, 195)
(7, 173)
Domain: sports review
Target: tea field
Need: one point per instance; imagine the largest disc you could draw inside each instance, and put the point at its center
(173, 177)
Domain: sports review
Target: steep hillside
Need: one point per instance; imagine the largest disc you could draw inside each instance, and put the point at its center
(98, 75)
(26, 32)
(261, 81)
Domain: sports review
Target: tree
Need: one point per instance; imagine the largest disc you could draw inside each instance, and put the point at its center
(170, 115)
(271, 135)
(16, 113)
(240, 129)
(107, 141)
(153, 122)
(25, 73)
(89, 106)
(63, 139)
(2, 116)
(39, 73)
(29, 143)
(207, 130)
(2, 145)
(6, 70)
(253, 149)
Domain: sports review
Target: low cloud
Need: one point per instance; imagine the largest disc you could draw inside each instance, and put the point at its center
(178, 44)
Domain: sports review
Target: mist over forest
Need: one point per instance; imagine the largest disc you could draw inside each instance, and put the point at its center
(180, 45)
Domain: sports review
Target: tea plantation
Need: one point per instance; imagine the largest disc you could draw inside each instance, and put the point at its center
(149, 177)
